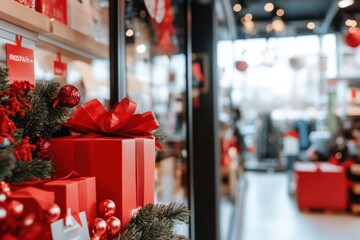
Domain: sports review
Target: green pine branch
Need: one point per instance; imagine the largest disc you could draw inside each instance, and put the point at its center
(7, 163)
(30, 170)
(4, 84)
(156, 222)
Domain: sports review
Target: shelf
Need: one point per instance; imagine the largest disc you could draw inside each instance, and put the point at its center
(64, 34)
(24, 17)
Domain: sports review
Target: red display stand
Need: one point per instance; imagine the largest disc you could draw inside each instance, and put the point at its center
(320, 186)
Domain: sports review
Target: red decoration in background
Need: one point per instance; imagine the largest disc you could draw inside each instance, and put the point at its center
(60, 68)
(241, 65)
(352, 37)
(68, 96)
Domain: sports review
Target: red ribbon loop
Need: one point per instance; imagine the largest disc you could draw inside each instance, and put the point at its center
(92, 117)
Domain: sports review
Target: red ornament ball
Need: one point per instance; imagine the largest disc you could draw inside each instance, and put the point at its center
(52, 213)
(29, 220)
(241, 66)
(107, 208)
(16, 209)
(68, 96)
(113, 226)
(3, 198)
(3, 213)
(5, 188)
(352, 37)
(44, 147)
(98, 227)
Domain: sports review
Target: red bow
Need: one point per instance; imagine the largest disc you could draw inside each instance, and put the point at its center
(92, 117)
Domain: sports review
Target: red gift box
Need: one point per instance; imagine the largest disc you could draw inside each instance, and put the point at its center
(56, 9)
(66, 194)
(123, 167)
(28, 3)
(145, 171)
(33, 199)
(111, 160)
(320, 186)
(77, 193)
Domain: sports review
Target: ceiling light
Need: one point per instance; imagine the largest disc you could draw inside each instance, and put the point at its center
(350, 23)
(278, 25)
(280, 12)
(311, 25)
(269, 7)
(345, 3)
(129, 33)
(269, 28)
(237, 7)
(248, 17)
(141, 48)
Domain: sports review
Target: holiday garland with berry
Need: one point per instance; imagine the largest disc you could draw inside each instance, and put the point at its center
(28, 118)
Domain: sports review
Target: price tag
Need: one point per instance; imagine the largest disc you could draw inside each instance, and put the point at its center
(20, 62)
(60, 68)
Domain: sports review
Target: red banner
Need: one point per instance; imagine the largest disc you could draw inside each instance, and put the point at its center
(20, 62)
(60, 68)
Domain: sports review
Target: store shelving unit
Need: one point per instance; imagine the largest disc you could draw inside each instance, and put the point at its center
(49, 33)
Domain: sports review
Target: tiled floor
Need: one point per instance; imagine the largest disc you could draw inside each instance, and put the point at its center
(269, 213)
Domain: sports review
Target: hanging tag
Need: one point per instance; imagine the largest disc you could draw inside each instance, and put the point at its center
(60, 68)
(20, 62)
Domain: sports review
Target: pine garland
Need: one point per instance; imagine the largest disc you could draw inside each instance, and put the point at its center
(27, 117)
(156, 222)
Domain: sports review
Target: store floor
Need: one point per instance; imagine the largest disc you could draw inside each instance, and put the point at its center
(269, 212)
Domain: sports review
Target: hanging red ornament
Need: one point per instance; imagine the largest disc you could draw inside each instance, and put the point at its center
(16, 209)
(44, 147)
(52, 213)
(3, 214)
(98, 227)
(107, 208)
(113, 226)
(68, 96)
(241, 65)
(352, 37)
(4, 188)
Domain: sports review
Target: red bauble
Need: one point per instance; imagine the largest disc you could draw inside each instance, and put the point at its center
(4, 188)
(68, 96)
(52, 213)
(3, 198)
(107, 208)
(3, 214)
(29, 220)
(241, 66)
(113, 226)
(44, 147)
(352, 37)
(15, 209)
(98, 227)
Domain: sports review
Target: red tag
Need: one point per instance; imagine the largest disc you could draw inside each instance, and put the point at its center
(60, 68)
(20, 62)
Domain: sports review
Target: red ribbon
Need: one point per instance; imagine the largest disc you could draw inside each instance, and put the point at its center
(92, 117)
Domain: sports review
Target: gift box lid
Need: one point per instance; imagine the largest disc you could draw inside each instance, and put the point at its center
(316, 166)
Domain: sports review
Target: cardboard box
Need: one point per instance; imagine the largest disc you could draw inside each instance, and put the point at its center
(79, 16)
